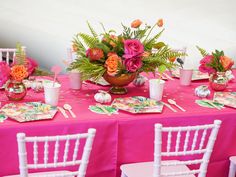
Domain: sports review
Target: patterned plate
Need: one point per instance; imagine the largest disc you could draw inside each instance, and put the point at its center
(138, 104)
(30, 111)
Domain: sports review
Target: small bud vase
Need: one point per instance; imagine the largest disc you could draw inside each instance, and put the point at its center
(15, 90)
(218, 81)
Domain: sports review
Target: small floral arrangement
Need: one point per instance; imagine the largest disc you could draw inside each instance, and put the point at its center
(134, 50)
(215, 62)
(21, 68)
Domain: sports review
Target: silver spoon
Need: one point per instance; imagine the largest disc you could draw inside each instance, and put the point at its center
(69, 108)
(174, 103)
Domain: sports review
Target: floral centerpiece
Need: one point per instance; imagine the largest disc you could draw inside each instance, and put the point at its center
(119, 58)
(216, 64)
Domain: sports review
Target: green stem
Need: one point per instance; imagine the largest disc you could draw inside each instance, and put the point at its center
(149, 33)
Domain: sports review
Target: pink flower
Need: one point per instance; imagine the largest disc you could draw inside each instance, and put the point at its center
(5, 73)
(204, 64)
(31, 65)
(133, 64)
(133, 48)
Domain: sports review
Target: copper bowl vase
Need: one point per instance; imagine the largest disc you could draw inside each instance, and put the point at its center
(118, 82)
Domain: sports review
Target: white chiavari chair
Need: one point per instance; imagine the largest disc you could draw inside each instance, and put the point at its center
(8, 54)
(197, 141)
(232, 167)
(60, 159)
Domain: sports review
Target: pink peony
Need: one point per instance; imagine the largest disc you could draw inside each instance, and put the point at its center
(31, 65)
(133, 64)
(5, 73)
(204, 64)
(133, 48)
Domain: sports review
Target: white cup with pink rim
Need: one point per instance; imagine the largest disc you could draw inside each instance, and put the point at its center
(186, 76)
(156, 87)
(51, 93)
(75, 79)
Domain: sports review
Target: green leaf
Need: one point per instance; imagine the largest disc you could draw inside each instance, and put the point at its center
(162, 68)
(159, 45)
(103, 47)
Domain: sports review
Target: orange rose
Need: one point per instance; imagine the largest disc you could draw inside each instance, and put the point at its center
(160, 22)
(226, 62)
(19, 72)
(136, 23)
(112, 63)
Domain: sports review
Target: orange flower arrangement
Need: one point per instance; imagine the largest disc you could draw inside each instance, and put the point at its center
(19, 72)
(136, 49)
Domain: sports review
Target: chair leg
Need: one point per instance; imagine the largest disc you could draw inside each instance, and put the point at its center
(232, 170)
(123, 175)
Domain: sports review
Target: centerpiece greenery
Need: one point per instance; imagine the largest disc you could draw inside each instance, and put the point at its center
(135, 50)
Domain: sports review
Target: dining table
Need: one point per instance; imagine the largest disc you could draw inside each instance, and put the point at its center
(122, 137)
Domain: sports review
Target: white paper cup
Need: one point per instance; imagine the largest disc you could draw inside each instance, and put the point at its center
(156, 88)
(186, 76)
(51, 93)
(75, 80)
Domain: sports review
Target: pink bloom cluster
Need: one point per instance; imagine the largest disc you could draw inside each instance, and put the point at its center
(133, 54)
(5, 73)
(205, 64)
(31, 65)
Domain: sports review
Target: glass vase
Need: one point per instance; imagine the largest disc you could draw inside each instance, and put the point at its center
(218, 81)
(15, 90)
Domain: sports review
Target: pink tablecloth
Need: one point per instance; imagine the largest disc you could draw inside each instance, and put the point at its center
(121, 138)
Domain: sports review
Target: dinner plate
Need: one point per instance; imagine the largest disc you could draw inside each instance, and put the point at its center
(197, 75)
(138, 104)
(29, 111)
(226, 98)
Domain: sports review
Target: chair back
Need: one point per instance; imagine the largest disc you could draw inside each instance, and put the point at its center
(8, 54)
(60, 159)
(195, 141)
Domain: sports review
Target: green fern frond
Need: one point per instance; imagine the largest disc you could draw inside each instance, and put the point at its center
(148, 44)
(90, 70)
(166, 52)
(150, 64)
(93, 32)
(42, 72)
(81, 50)
(202, 51)
(90, 41)
(20, 58)
(127, 33)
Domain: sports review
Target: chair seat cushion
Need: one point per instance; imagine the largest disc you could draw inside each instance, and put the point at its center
(41, 174)
(145, 169)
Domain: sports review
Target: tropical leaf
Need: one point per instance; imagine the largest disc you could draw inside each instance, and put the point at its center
(93, 32)
(149, 43)
(90, 41)
(90, 70)
(20, 58)
(80, 49)
(202, 51)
